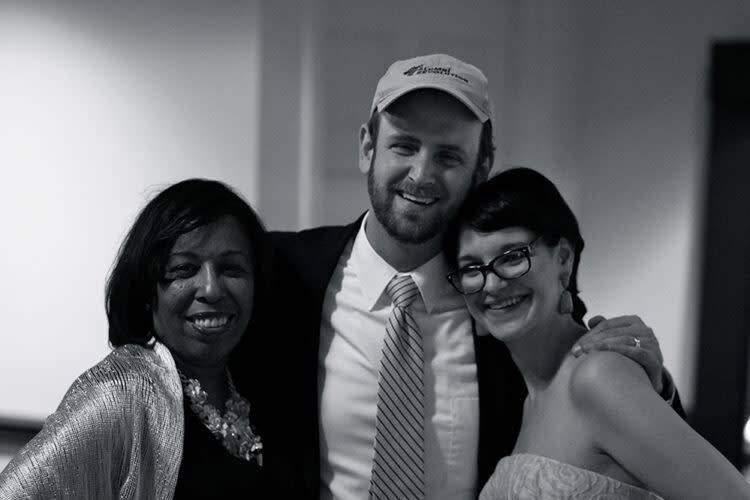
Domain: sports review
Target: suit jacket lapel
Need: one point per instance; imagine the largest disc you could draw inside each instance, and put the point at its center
(308, 259)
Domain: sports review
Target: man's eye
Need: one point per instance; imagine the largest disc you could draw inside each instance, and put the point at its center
(450, 159)
(403, 149)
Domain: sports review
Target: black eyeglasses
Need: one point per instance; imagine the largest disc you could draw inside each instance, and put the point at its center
(509, 265)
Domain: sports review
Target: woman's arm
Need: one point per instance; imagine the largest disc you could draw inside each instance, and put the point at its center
(79, 453)
(632, 424)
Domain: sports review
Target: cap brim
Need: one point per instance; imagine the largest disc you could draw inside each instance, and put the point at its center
(387, 101)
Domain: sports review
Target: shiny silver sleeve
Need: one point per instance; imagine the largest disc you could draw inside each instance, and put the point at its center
(107, 439)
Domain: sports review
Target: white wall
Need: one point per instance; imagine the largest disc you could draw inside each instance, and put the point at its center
(540, 107)
(101, 104)
(643, 129)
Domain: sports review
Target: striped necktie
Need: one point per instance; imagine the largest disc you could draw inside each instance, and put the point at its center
(398, 465)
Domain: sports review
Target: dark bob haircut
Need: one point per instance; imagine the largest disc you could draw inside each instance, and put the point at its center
(522, 197)
(130, 293)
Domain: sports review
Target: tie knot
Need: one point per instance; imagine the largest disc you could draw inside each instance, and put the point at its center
(402, 290)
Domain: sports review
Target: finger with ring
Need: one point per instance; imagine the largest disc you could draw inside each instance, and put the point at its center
(637, 342)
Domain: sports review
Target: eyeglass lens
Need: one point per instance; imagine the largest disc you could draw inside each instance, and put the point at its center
(507, 266)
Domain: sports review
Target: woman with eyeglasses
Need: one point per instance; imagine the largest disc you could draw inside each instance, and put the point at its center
(592, 426)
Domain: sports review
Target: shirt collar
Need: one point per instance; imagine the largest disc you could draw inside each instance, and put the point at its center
(375, 273)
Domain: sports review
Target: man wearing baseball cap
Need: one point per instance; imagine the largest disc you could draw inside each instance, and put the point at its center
(398, 396)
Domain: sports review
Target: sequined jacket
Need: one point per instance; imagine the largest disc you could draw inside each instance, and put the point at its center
(117, 433)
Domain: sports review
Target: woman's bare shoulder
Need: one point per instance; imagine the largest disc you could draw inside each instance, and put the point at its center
(599, 377)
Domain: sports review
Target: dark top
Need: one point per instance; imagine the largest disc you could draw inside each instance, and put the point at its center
(209, 471)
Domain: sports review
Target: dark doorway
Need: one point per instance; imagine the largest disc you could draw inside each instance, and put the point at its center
(721, 402)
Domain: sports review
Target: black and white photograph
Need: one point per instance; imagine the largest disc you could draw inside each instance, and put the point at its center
(344, 249)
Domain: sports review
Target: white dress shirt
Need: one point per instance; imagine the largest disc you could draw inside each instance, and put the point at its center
(352, 331)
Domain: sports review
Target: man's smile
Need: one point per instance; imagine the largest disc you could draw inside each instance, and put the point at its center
(419, 200)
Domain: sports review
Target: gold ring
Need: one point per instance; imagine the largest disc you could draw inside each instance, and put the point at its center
(637, 342)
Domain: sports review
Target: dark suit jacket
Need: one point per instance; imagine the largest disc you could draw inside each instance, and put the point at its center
(306, 260)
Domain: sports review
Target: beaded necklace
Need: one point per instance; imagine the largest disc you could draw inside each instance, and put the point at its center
(233, 429)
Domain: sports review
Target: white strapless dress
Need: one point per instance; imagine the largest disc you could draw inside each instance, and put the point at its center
(525, 476)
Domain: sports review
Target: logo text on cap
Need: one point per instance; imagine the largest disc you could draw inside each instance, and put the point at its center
(421, 69)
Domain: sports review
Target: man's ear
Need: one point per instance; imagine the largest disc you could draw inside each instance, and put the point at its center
(366, 149)
(482, 172)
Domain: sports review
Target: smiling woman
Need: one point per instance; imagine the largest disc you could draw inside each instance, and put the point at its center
(592, 426)
(185, 301)
(204, 302)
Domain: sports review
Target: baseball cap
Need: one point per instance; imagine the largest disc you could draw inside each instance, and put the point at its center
(463, 81)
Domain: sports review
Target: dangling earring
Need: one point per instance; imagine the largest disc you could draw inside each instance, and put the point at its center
(565, 305)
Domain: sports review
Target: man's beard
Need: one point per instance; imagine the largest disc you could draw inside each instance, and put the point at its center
(402, 230)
